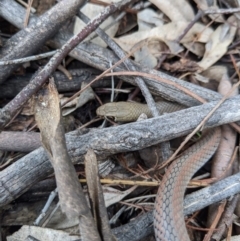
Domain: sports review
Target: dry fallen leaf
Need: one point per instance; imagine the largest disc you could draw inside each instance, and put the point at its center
(148, 18)
(79, 101)
(112, 195)
(217, 45)
(174, 9)
(215, 72)
(92, 10)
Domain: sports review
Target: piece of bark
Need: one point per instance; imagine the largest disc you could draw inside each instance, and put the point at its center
(30, 39)
(129, 137)
(96, 197)
(72, 199)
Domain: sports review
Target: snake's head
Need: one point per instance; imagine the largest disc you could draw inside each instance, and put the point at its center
(118, 110)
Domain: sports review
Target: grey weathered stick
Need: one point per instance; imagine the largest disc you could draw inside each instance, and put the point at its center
(19, 141)
(100, 60)
(134, 136)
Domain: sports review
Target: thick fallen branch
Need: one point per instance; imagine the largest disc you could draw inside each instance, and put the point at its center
(20, 176)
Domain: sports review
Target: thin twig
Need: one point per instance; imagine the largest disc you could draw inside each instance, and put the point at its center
(27, 59)
(28, 13)
(222, 11)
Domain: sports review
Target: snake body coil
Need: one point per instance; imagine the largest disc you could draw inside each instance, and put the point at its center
(169, 222)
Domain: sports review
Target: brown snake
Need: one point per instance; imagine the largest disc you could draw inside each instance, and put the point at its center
(130, 111)
(169, 224)
(168, 213)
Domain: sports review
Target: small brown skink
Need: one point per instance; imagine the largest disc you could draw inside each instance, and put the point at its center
(130, 111)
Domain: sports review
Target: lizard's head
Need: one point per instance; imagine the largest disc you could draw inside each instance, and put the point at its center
(118, 110)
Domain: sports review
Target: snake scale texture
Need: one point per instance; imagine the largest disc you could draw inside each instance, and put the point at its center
(169, 222)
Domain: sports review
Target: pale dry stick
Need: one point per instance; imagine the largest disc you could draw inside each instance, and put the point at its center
(126, 182)
(140, 198)
(46, 207)
(14, 117)
(51, 215)
(222, 11)
(64, 71)
(201, 124)
(229, 233)
(191, 218)
(28, 13)
(215, 222)
(33, 10)
(89, 123)
(132, 205)
(197, 228)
